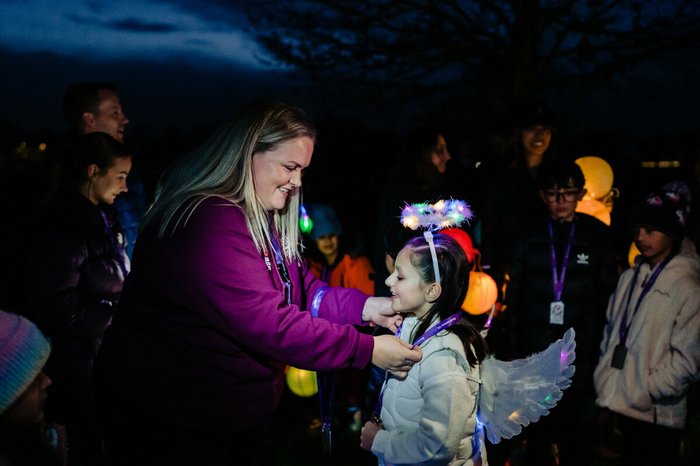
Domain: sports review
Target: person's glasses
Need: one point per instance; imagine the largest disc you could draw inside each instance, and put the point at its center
(569, 195)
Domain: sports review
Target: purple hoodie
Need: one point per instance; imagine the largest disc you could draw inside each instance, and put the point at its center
(204, 329)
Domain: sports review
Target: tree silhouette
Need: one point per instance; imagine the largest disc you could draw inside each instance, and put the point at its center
(480, 50)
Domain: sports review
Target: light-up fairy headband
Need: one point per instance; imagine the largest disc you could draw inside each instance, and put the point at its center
(435, 217)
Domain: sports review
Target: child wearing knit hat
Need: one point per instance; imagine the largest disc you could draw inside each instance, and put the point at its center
(24, 436)
(650, 352)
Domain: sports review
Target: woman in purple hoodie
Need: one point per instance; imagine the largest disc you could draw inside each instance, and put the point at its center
(219, 300)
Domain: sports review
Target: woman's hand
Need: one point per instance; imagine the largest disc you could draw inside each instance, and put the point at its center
(378, 311)
(369, 431)
(395, 355)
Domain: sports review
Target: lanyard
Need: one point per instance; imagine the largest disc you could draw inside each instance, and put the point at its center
(115, 247)
(282, 268)
(559, 277)
(326, 385)
(431, 332)
(625, 325)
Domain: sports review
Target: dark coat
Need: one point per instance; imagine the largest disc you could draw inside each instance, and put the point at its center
(591, 276)
(513, 204)
(73, 280)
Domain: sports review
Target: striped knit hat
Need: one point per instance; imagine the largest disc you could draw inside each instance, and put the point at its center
(23, 353)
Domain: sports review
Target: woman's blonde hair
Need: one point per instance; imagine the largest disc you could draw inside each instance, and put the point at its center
(223, 167)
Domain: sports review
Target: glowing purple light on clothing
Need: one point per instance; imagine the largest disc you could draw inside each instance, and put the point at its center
(563, 358)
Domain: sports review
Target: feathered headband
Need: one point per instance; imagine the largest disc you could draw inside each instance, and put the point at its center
(435, 217)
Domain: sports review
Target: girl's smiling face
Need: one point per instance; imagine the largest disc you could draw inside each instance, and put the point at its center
(408, 291)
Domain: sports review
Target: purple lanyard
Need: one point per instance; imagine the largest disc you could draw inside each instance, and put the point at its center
(115, 247)
(648, 284)
(558, 278)
(431, 332)
(282, 268)
(442, 325)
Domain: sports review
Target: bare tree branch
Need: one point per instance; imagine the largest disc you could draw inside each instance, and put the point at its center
(514, 48)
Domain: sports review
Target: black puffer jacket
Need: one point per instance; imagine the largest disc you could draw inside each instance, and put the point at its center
(74, 279)
(591, 276)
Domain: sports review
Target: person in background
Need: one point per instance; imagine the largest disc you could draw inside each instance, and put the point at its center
(330, 263)
(73, 279)
(512, 193)
(421, 175)
(95, 107)
(25, 437)
(650, 351)
(219, 300)
(562, 275)
(328, 259)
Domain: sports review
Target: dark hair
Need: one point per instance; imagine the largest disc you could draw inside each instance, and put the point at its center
(561, 174)
(419, 146)
(96, 148)
(83, 97)
(533, 113)
(396, 237)
(454, 271)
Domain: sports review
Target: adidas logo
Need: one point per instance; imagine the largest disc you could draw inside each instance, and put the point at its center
(582, 259)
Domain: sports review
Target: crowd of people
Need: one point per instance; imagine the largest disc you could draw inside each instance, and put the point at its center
(158, 326)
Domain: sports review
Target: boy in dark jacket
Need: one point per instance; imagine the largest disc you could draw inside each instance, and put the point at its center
(562, 277)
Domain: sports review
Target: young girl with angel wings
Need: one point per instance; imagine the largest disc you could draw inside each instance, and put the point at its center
(437, 414)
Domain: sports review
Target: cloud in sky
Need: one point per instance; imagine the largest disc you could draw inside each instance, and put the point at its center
(146, 29)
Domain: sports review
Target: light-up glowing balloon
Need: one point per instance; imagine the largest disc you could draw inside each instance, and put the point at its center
(302, 382)
(463, 239)
(594, 208)
(598, 174)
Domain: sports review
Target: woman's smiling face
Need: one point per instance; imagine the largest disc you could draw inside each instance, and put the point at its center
(277, 173)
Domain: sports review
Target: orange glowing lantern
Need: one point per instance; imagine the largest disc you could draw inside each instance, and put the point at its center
(632, 254)
(302, 382)
(483, 291)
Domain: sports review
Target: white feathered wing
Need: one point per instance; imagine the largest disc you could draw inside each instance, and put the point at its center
(515, 393)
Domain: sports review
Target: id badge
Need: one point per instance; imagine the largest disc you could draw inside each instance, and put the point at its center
(619, 355)
(556, 313)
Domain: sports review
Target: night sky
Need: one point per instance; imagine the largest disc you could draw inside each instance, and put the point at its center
(192, 63)
(183, 66)
(182, 63)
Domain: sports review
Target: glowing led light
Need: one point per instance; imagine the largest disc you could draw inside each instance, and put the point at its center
(442, 214)
(305, 222)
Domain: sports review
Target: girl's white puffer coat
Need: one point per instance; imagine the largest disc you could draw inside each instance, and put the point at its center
(430, 417)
